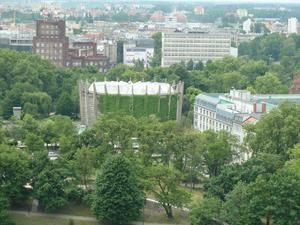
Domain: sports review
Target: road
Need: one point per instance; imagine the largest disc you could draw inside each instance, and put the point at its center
(71, 217)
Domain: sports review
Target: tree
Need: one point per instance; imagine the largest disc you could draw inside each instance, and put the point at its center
(269, 84)
(37, 103)
(260, 28)
(207, 212)
(294, 163)
(156, 60)
(138, 65)
(236, 209)
(276, 132)
(4, 217)
(187, 158)
(218, 150)
(225, 182)
(15, 174)
(51, 187)
(117, 197)
(115, 131)
(34, 142)
(164, 183)
(65, 105)
(199, 65)
(85, 170)
(269, 197)
(190, 65)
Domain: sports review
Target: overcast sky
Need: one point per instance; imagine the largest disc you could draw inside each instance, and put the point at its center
(235, 1)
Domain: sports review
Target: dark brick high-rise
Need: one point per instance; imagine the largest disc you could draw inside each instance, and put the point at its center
(50, 41)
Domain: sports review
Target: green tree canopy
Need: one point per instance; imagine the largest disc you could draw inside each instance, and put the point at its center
(117, 198)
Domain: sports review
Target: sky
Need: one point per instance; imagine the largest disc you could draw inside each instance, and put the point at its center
(237, 1)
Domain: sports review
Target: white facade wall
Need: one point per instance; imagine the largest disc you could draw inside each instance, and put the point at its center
(132, 54)
(292, 26)
(178, 47)
(206, 119)
(247, 26)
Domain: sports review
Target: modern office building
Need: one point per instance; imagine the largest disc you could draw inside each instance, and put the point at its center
(19, 41)
(50, 41)
(138, 50)
(199, 46)
(139, 99)
(292, 26)
(231, 111)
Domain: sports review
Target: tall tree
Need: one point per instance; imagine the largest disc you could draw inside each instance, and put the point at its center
(85, 170)
(156, 60)
(15, 174)
(65, 105)
(164, 183)
(117, 197)
(207, 212)
(218, 150)
(51, 187)
(4, 217)
(276, 131)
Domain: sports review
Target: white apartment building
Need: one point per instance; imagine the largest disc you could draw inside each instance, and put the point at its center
(247, 25)
(231, 111)
(293, 26)
(198, 46)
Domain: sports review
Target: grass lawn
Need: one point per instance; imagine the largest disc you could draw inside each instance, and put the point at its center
(153, 213)
(156, 214)
(197, 195)
(75, 209)
(37, 220)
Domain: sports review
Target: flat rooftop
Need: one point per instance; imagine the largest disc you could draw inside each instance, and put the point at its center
(129, 88)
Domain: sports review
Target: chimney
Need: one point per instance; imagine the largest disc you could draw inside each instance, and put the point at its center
(254, 107)
(264, 107)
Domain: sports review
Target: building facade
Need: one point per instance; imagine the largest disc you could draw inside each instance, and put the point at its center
(138, 50)
(230, 112)
(198, 46)
(108, 48)
(247, 25)
(19, 41)
(50, 41)
(83, 54)
(292, 25)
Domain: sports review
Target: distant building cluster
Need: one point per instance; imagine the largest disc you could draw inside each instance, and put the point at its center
(199, 10)
(52, 43)
(231, 111)
(184, 38)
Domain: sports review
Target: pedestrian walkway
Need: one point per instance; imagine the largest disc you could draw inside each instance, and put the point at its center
(71, 217)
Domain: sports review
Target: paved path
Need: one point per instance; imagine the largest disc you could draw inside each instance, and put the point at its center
(71, 217)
